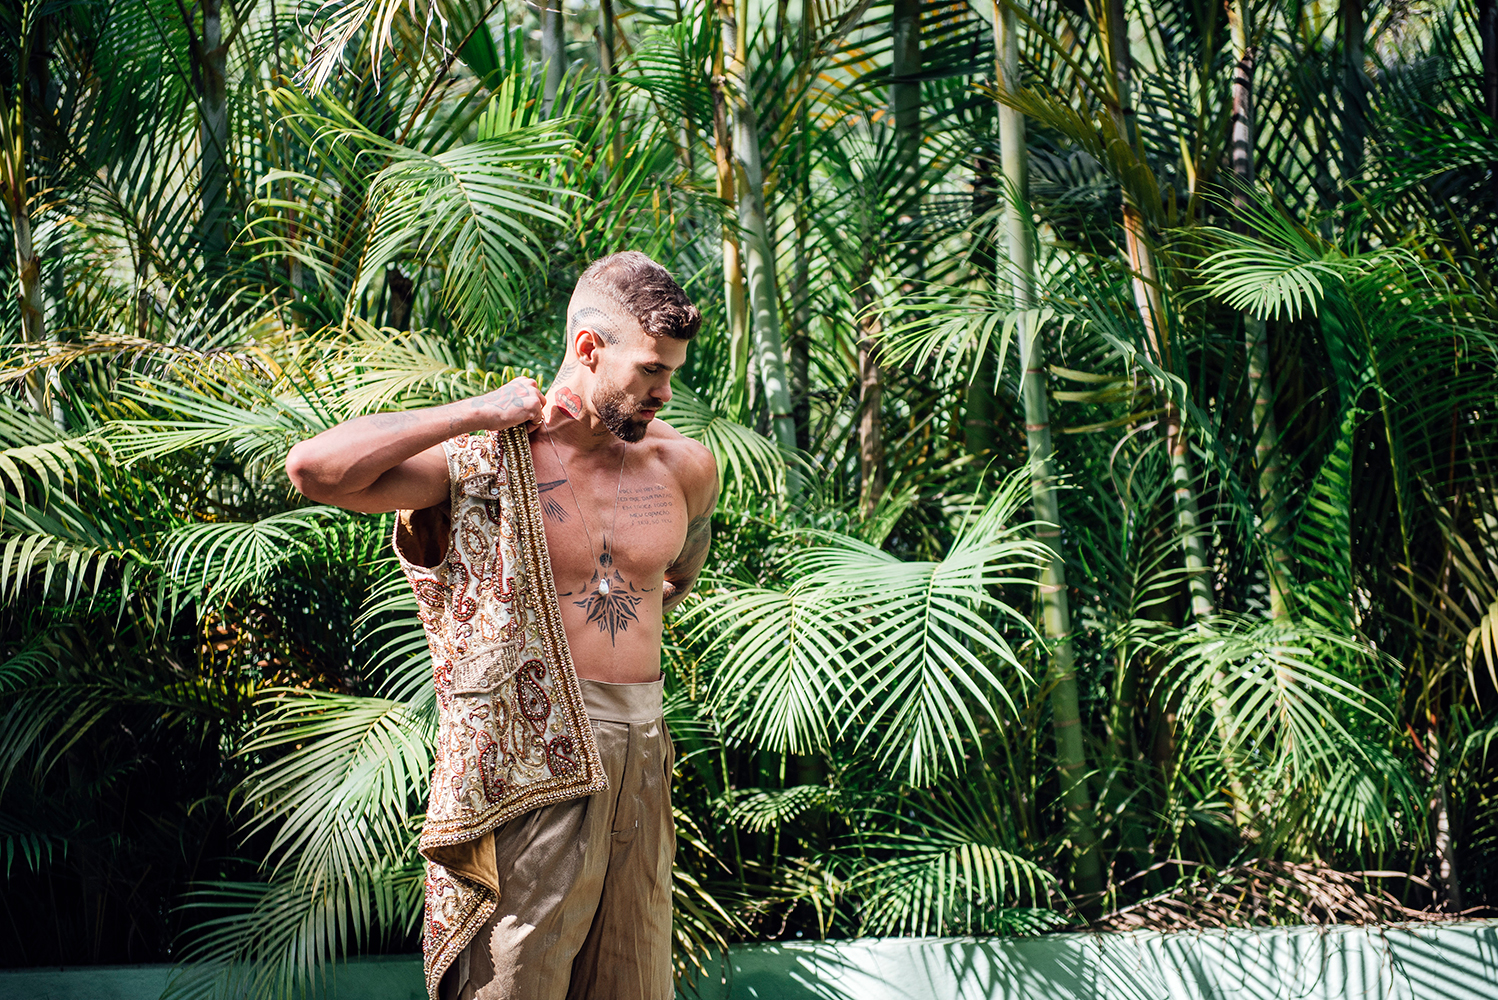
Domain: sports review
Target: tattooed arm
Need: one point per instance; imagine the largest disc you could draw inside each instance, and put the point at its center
(700, 483)
(394, 461)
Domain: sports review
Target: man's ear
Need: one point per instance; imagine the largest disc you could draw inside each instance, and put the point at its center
(586, 344)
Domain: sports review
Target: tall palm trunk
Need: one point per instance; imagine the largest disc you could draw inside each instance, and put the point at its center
(1487, 32)
(1255, 335)
(905, 109)
(1354, 95)
(800, 333)
(606, 88)
(759, 258)
(905, 83)
(553, 53)
(1149, 302)
(1071, 754)
(800, 338)
(733, 265)
(213, 140)
(1447, 873)
(870, 403)
(17, 206)
(979, 410)
(1146, 283)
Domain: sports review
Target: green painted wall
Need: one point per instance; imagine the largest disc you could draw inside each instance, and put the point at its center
(1409, 962)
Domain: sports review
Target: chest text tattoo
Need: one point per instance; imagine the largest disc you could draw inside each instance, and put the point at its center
(647, 506)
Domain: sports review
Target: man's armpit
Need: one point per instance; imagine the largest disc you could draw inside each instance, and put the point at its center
(699, 533)
(422, 536)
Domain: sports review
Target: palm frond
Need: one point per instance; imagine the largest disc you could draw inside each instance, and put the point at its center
(898, 650)
(219, 559)
(748, 462)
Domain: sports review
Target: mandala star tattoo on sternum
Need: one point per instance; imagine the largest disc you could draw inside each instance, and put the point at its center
(610, 600)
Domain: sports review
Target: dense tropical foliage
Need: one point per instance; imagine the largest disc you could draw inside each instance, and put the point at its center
(1103, 393)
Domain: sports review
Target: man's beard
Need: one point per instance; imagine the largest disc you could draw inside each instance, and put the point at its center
(615, 412)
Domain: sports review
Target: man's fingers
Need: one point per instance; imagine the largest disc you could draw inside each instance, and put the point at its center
(544, 420)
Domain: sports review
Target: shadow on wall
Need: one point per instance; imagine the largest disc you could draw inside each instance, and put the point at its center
(1456, 961)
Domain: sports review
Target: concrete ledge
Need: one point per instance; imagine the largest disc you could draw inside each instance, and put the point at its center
(1457, 961)
(1405, 962)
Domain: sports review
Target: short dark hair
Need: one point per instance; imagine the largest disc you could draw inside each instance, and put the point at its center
(646, 291)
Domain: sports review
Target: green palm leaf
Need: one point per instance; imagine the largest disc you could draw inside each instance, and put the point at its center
(949, 863)
(901, 652)
(1293, 688)
(221, 558)
(473, 208)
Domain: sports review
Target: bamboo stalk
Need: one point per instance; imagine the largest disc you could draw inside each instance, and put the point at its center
(553, 53)
(1071, 755)
(213, 140)
(1354, 94)
(1255, 335)
(606, 90)
(979, 411)
(733, 266)
(1145, 281)
(759, 259)
(870, 401)
(17, 205)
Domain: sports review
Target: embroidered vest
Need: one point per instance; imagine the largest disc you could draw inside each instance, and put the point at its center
(512, 733)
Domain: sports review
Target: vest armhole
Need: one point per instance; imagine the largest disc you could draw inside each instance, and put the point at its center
(422, 537)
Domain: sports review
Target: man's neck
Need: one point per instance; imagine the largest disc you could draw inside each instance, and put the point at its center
(583, 432)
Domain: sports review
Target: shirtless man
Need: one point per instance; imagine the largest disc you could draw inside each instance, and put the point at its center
(584, 884)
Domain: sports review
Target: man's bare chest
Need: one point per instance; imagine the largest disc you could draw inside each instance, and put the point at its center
(626, 530)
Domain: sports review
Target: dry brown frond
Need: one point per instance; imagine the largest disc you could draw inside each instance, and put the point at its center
(1264, 893)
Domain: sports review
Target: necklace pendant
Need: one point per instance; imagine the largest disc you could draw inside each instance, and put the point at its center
(603, 586)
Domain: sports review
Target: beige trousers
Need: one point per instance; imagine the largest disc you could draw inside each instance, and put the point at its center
(585, 885)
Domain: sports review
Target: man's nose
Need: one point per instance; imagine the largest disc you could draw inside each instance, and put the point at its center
(663, 394)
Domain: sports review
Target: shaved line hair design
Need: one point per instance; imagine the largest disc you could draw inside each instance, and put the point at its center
(644, 290)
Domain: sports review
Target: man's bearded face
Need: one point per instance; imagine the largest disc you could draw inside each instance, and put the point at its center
(627, 418)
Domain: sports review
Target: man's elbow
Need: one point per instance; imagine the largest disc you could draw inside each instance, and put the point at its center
(674, 592)
(302, 469)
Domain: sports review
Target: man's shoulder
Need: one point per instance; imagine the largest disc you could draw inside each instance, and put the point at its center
(692, 462)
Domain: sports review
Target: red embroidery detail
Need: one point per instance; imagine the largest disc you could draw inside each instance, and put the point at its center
(534, 704)
(464, 606)
(489, 776)
(505, 592)
(561, 757)
(431, 593)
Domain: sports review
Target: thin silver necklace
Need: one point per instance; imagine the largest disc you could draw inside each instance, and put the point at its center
(603, 571)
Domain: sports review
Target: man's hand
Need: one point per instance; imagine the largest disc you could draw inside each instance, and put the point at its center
(518, 401)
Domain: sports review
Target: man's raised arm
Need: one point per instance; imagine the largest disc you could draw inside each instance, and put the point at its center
(394, 461)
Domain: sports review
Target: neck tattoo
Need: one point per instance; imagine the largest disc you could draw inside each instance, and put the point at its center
(603, 561)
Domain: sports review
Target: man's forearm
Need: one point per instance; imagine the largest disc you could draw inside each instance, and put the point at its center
(353, 455)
